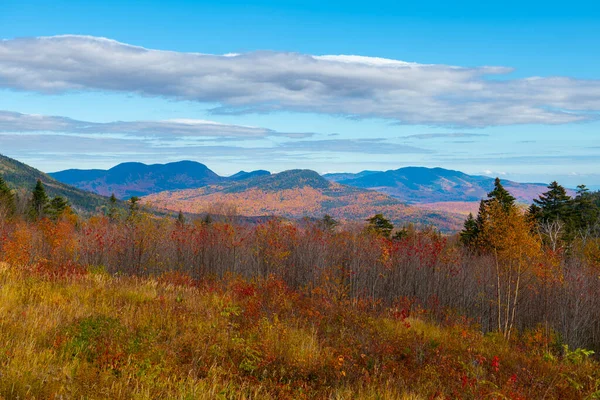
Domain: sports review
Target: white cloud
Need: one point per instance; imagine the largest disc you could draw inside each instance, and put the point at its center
(348, 85)
(376, 61)
(17, 122)
(50, 138)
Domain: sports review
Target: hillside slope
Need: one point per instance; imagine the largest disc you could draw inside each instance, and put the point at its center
(430, 185)
(247, 175)
(297, 194)
(23, 177)
(138, 179)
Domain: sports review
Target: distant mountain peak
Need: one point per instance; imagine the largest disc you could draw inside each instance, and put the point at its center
(138, 179)
(303, 177)
(247, 175)
(415, 184)
(290, 179)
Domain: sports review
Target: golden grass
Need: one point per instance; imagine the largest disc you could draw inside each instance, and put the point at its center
(97, 337)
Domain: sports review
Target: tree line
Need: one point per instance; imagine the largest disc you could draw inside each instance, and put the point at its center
(37, 206)
(559, 219)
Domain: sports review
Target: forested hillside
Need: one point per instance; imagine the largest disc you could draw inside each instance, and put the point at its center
(136, 179)
(433, 185)
(22, 178)
(297, 194)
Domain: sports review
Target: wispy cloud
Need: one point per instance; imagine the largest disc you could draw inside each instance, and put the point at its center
(47, 138)
(444, 135)
(17, 122)
(520, 160)
(364, 146)
(353, 86)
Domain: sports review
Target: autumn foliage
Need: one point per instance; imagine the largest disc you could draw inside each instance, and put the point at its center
(134, 305)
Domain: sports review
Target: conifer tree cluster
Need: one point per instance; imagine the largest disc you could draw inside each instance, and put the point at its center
(380, 225)
(41, 205)
(472, 234)
(558, 217)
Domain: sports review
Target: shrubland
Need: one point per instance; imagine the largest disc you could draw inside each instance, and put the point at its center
(130, 305)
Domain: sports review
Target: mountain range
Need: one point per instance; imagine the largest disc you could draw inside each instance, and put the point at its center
(435, 196)
(136, 179)
(432, 185)
(297, 194)
(413, 185)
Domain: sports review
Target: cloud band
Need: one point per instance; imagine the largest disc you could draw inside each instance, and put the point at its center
(353, 86)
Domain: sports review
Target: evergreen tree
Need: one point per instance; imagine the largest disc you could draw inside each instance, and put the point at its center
(471, 235)
(401, 234)
(554, 214)
(380, 225)
(180, 219)
(7, 198)
(534, 212)
(554, 204)
(329, 223)
(113, 212)
(134, 207)
(500, 194)
(585, 212)
(57, 207)
(38, 202)
(470, 232)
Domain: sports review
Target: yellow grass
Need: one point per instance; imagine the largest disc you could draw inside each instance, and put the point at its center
(103, 337)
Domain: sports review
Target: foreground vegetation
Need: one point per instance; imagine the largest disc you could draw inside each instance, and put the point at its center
(92, 335)
(125, 304)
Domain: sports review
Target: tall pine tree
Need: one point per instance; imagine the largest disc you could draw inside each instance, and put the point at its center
(113, 211)
(180, 219)
(470, 232)
(471, 235)
(38, 202)
(7, 199)
(585, 212)
(57, 207)
(555, 204)
(380, 225)
(553, 211)
(500, 194)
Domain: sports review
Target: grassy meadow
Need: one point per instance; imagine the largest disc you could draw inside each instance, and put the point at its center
(87, 334)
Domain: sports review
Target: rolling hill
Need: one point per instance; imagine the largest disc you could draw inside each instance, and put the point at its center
(138, 179)
(247, 175)
(435, 195)
(434, 185)
(297, 194)
(22, 177)
(414, 185)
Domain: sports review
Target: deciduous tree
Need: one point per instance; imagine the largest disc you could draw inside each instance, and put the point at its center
(508, 235)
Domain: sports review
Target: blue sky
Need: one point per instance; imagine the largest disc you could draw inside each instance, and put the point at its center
(80, 102)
